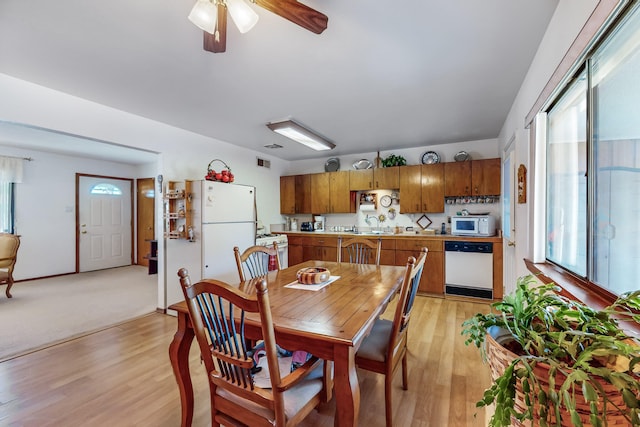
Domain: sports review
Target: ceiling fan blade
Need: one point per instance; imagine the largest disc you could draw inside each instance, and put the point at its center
(217, 42)
(297, 13)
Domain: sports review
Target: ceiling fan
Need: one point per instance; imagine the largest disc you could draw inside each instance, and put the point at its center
(211, 16)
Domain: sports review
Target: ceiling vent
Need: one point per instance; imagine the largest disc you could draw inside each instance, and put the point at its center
(274, 146)
(264, 163)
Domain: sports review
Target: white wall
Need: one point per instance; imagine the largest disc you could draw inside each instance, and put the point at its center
(568, 19)
(481, 149)
(184, 155)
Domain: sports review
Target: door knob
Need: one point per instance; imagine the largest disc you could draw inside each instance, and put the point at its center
(84, 231)
(510, 243)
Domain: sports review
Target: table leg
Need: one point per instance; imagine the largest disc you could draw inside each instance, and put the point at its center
(179, 356)
(346, 387)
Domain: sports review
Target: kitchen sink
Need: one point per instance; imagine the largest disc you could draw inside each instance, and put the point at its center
(374, 233)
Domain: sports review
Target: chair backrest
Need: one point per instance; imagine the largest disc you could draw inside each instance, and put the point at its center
(256, 261)
(9, 244)
(359, 250)
(407, 296)
(217, 311)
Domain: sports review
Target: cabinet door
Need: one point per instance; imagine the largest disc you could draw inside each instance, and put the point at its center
(486, 177)
(410, 189)
(433, 188)
(295, 254)
(387, 178)
(287, 195)
(457, 179)
(320, 202)
(303, 194)
(361, 180)
(339, 194)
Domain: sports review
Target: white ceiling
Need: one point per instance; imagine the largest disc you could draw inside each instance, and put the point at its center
(383, 75)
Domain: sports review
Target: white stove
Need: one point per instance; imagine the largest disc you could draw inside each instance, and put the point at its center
(283, 246)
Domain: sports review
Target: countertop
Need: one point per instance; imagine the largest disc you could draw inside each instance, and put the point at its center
(403, 235)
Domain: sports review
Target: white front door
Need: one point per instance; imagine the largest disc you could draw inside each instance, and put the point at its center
(104, 222)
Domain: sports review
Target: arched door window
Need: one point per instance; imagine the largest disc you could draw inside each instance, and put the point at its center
(107, 189)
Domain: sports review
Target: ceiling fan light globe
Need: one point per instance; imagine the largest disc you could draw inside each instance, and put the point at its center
(204, 15)
(243, 16)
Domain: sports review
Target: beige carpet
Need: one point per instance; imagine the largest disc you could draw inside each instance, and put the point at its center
(46, 311)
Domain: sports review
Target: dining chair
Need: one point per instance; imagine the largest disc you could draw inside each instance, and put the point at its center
(359, 250)
(9, 244)
(236, 399)
(386, 346)
(256, 261)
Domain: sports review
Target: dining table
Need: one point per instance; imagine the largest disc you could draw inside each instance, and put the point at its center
(329, 320)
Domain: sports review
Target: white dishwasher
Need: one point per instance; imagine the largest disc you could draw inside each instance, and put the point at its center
(469, 268)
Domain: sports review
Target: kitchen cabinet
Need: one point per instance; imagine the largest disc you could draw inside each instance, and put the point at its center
(331, 193)
(474, 178)
(485, 177)
(178, 209)
(422, 188)
(432, 280)
(295, 194)
(373, 179)
(321, 248)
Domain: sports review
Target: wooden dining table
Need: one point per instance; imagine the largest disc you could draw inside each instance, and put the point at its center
(329, 323)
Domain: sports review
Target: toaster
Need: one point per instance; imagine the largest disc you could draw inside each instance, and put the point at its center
(306, 226)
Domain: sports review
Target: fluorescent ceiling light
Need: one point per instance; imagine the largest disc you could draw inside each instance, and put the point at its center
(301, 134)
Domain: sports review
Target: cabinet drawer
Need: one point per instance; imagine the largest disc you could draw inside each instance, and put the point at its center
(320, 241)
(295, 240)
(416, 244)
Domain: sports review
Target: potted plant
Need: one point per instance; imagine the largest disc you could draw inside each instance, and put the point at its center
(393, 160)
(557, 361)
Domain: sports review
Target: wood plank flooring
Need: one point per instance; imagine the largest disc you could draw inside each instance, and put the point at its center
(122, 377)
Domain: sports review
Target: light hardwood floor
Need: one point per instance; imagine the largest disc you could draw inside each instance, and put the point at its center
(122, 377)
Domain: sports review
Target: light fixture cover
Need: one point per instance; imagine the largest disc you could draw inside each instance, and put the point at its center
(301, 134)
(204, 15)
(243, 16)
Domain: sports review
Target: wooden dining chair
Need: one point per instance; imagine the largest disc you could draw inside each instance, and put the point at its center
(359, 250)
(256, 261)
(9, 244)
(235, 398)
(386, 346)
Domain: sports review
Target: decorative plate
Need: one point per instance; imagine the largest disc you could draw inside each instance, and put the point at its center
(430, 157)
(385, 201)
(362, 164)
(424, 222)
(461, 156)
(332, 165)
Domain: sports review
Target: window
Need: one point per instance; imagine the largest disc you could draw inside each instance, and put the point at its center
(105, 188)
(593, 165)
(6, 207)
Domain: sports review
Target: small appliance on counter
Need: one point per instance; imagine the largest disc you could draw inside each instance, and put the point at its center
(319, 224)
(473, 225)
(306, 226)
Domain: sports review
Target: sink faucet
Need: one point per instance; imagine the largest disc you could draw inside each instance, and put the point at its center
(369, 218)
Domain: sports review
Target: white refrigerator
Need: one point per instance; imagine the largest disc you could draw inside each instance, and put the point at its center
(228, 220)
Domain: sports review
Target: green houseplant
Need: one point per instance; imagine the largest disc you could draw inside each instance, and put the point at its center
(566, 364)
(393, 160)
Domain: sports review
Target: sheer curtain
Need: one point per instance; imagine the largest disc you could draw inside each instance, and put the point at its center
(11, 169)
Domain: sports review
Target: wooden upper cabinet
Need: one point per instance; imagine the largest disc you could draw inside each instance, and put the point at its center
(361, 179)
(339, 193)
(303, 194)
(410, 188)
(386, 178)
(320, 188)
(287, 195)
(432, 187)
(457, 179)
(485, 177)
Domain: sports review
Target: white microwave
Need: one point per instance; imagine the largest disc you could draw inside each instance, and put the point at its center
(474, 225)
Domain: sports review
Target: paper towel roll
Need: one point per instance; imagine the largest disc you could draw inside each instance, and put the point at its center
(367, 207)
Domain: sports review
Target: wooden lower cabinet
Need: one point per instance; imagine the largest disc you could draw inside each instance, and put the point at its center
(432, 280)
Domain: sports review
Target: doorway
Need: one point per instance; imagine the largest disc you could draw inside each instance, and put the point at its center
(145, 214)
(104, 231)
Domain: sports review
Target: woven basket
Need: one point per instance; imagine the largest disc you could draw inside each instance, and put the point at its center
(221, 175)
(500, 358)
